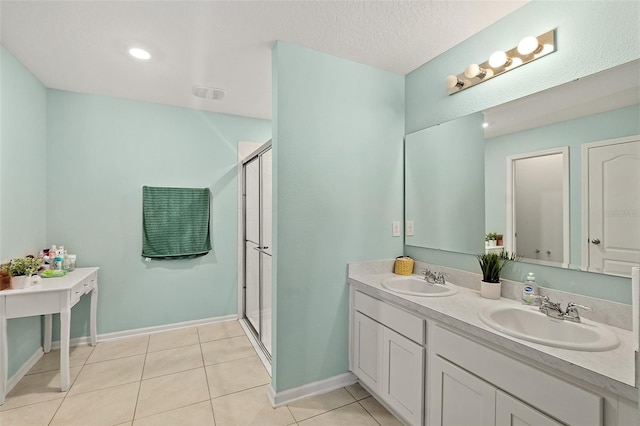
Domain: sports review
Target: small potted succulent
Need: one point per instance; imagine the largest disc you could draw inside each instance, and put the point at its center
(491, 265)
(20, 270)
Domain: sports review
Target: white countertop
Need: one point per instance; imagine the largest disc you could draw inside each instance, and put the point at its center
(54, 284)
(612, 370)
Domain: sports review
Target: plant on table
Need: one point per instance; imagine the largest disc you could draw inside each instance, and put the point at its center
(22, 266)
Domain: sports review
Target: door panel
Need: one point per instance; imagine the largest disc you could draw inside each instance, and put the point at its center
(265, 291)
(252, 201)
(367, 351)
(266, 207)
(258, 219)
(252, 284)
(458, 397)
(614, 208)
(403, 371)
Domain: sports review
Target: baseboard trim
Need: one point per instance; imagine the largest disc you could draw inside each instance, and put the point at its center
(24, 369)
(279, 399)
(84, 340)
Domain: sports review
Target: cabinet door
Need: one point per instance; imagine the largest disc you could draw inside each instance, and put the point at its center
(457, 397)
(403, 373)
(367, 351)
(513, 412)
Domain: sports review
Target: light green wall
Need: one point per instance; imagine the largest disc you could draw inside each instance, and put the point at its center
(101, 152)
(581, 51)
(23, 153)
(591, 36)
(338, 178)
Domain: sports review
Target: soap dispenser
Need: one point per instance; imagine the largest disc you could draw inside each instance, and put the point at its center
(529, 290)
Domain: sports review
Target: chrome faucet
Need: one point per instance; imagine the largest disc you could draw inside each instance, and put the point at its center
(554, 310)
(428, 275)
(433, 277)
(551, 309)
(572, 314)
(438, 277)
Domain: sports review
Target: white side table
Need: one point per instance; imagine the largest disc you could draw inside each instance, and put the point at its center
(52, 295)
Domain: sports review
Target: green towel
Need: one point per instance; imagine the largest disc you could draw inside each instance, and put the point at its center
(175, 222)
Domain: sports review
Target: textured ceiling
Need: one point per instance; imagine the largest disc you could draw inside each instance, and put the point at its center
(81, 45)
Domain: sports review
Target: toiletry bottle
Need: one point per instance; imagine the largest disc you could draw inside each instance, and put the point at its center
(53, 253)
(529, 290)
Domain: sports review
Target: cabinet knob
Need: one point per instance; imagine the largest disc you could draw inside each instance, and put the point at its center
(595, 241)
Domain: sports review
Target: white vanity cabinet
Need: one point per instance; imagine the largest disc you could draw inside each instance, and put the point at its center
(388, 355)
(473, 384)
(461, 398)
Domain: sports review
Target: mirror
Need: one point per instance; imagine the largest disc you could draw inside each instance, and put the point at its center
(456, 172)
(538, 206)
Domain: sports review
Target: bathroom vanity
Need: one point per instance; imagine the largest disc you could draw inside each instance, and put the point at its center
(432, 361)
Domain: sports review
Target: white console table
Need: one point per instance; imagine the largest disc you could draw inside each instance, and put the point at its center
(52, 295)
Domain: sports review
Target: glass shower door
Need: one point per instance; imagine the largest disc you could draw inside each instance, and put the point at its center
(252, 243)
(258, 246)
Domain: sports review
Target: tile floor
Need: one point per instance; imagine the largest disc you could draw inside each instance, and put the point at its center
(207, 375)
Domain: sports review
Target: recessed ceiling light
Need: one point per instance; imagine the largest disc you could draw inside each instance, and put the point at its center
(139, 53)
(485, 125)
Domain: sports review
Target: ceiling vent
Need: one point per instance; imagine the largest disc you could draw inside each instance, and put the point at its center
(208, 92)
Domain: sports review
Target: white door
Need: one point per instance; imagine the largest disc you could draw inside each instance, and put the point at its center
(512, 412)
(458, 397)
(612, 239)
(367, 351)
(402, 374)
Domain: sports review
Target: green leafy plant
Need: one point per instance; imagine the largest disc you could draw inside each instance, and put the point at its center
(491, 264)
(491, 236)
(22, 266)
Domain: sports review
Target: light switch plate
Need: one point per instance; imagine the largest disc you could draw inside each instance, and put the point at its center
(395, 228)
(409, 228)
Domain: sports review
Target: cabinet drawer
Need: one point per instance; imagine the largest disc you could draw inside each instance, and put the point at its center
(83, 287)
(396, 319)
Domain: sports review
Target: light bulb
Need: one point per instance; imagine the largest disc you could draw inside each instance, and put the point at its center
(499, 59)
(529, 45)
(485, 125)
(474, 70)
(138, 53)
(454, 81)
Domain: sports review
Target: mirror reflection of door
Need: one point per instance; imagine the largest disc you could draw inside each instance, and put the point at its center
(539, 206)
(611, 192)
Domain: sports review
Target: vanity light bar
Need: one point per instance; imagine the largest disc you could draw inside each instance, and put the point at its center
(528, 50)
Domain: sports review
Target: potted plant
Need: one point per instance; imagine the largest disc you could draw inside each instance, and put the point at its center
(491, 265)
(20, 270)
(491, 238)
(499, 239)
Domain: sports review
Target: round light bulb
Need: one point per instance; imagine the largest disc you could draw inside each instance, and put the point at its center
(453, 81)
(498, 59)
(474, 70)
(138, 53)
(528, 45)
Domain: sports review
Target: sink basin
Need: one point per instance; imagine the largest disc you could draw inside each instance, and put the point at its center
(416, 286)
(526, 322)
